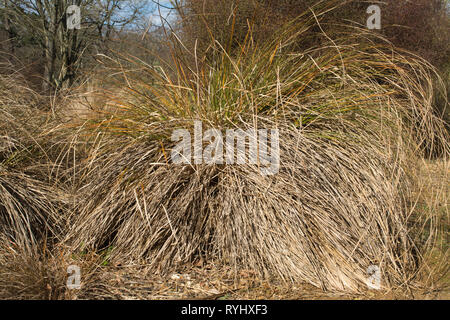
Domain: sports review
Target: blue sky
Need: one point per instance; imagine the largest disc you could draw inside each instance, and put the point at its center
(155, 19)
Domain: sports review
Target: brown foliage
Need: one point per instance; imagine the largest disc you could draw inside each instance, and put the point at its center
(420, 26)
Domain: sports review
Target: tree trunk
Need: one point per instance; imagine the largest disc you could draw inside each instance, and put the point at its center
(8, 29)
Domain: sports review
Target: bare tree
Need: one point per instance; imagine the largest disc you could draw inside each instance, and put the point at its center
(6, 26)
(63, 48)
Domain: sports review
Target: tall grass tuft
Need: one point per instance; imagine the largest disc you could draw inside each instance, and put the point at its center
(355, 118)
(30, 203)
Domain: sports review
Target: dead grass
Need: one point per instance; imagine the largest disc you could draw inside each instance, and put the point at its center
(355, 120)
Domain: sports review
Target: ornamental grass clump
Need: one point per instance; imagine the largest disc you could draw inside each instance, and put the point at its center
(354, 118)
(30, 203)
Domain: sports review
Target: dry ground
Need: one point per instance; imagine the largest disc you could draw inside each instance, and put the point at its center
(213, 283)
